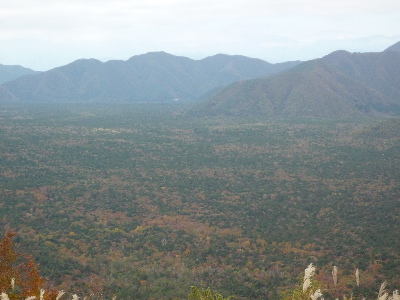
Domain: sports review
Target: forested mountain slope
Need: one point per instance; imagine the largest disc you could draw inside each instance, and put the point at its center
(151, 77)
(395, 47)
(341, 84)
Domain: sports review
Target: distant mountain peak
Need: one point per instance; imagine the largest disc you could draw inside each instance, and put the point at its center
(152, 54)
(11, 72)
(158, 53)
(338, 53)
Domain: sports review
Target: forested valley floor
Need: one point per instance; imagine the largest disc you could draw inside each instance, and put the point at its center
(143, 201)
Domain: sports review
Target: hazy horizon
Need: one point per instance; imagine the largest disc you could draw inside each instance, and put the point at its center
(45, 34)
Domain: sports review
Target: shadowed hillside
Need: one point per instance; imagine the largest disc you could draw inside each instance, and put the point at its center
(395, 47)
(341, 84)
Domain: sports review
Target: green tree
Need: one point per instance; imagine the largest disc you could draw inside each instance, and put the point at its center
(205, 294)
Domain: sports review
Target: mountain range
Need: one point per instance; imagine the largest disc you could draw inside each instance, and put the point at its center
(341, 84)
(151, 77)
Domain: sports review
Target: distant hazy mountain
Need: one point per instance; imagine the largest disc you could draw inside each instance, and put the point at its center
(8, 73)
(339, 84)
(151, 77)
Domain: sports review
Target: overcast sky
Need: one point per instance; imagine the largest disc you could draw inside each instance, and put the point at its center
(42, 34)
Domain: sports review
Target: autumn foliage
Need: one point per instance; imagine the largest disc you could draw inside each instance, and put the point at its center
(143, 201)
(19, 275)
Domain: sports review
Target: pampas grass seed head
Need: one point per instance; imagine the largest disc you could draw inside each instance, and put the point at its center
(334, 275)
(396, 295)
(358, 277)
(4, 296)
(382, 293)
(306, 285)
(60, 294)
(316, 295)
(309, 272)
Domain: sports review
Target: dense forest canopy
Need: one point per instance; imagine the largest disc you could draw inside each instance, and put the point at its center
(143, 201)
